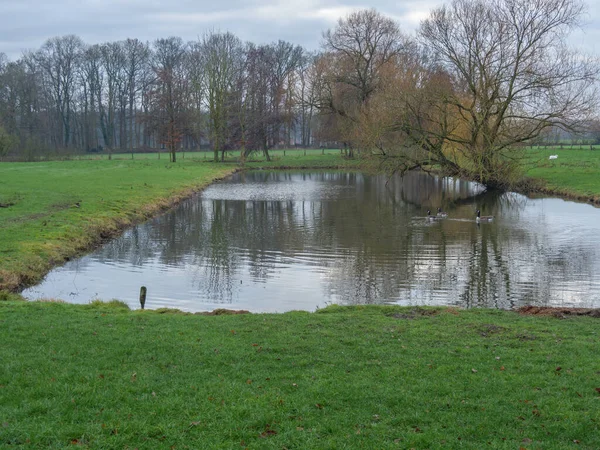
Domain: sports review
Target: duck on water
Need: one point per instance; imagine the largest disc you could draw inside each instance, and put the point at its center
(481, 218)
(442, 215)
(431, 218)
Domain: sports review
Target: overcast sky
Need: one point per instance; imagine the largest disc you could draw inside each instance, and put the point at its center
(27, 24)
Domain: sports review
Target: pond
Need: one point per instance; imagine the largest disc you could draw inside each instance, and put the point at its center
(280, 241)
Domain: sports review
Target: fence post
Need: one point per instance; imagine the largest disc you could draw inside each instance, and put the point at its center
(143, 296)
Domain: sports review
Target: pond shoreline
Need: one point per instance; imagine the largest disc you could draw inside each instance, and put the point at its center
(560, 193)
(98, 234)
(16, 281)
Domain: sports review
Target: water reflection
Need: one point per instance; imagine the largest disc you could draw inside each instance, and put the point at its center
(276, 241)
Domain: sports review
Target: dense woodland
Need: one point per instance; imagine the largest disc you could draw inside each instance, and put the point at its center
(472, 86)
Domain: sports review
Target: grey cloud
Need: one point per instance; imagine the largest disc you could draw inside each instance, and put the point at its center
(27, 24)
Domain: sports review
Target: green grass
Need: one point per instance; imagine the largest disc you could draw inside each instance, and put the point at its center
(101, 376)
(296, 159)
(575, 173)
(202, 155)
(62, 207)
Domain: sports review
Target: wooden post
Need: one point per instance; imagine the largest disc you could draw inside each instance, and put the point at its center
(143, 296)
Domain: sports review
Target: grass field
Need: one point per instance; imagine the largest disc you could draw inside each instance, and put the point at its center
(101, 376)
(575, 173)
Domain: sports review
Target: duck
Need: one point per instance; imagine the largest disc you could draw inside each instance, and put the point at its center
(441, 213)
(431, 218)
(481, 218)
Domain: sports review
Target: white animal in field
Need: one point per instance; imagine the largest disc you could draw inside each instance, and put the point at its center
(553, 157)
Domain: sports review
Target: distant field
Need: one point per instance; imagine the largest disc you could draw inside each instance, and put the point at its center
(208, 155)
(572, 174)
(575, 172)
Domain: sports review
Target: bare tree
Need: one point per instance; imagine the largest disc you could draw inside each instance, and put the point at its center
(58, 59)
(136, 56)
(306, 93)
(28, 108)
(221, 54)
(113, 63)
(258, 101)
(286, 58)
(169, 95)
(197, 92)
(357, 50)
(512, 77)
(90, 83)
(363, 42)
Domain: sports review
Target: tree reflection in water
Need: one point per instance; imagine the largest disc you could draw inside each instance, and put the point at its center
(352, 238)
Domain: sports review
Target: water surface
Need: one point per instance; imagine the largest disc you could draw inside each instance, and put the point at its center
(279, 241)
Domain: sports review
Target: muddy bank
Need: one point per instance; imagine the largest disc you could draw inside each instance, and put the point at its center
(560, 313)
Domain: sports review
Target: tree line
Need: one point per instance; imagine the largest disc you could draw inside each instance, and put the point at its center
(130, 95)
(476, 82)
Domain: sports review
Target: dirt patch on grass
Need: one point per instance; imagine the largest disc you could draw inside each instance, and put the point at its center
(489, 329)
(6, 201)
(525, 336)
(174, 311)
(416, 312)
(52, 209)
(223, 312)
(560, 313)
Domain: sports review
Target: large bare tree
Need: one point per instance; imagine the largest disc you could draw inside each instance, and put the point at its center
(512, 77)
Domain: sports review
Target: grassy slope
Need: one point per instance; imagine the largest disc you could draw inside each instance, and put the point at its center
(576, 172)
(361, 377)
(45, 224)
